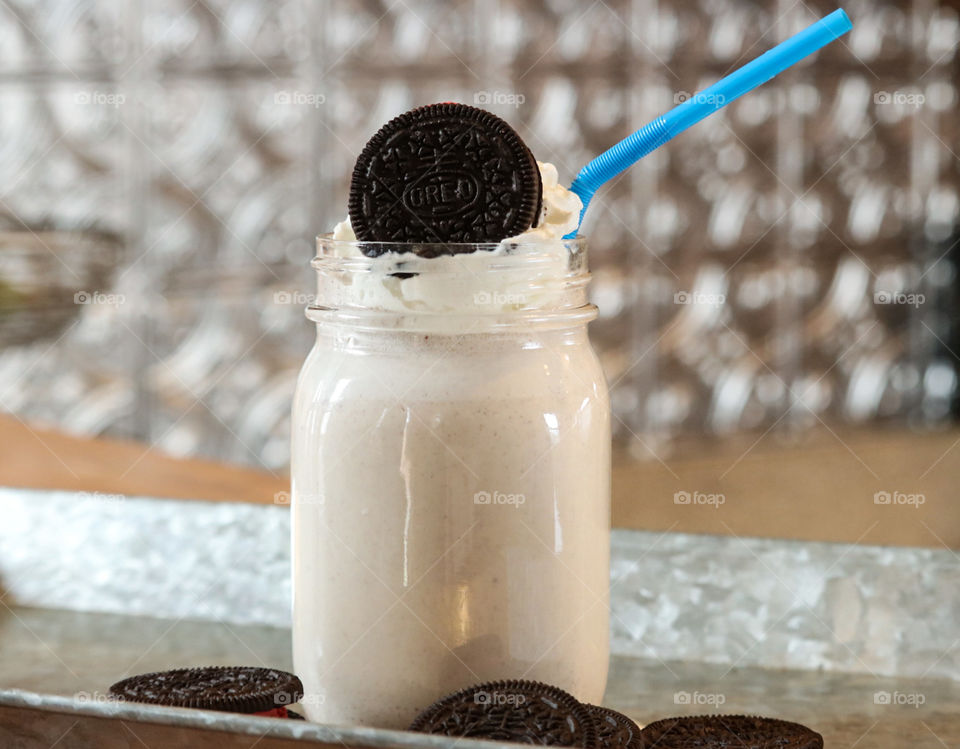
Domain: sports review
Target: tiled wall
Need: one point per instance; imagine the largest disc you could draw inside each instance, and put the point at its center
(170, 161)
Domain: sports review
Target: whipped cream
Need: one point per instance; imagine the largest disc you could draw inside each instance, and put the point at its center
(464, 282)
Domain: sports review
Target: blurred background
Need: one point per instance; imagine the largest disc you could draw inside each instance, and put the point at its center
(779, 323)
(789, 264)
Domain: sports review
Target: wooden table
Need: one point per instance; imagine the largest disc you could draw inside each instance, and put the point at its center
(820, 487)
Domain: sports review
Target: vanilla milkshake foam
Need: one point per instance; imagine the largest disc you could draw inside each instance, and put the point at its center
(455, 282)
(450, 478)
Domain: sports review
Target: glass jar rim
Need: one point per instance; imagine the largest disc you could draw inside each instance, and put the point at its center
(523, 279)
(353, 249)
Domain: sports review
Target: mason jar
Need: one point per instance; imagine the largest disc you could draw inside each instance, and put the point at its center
(450, 478)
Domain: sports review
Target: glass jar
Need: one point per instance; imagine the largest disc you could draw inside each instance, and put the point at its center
(450, 479)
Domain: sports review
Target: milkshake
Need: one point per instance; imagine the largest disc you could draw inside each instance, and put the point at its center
(451, 435)
(450, 472)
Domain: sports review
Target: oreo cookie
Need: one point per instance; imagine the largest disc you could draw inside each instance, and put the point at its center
(744, 732)
(444, 173)
(234, 689)
(614, 730)
(525, 712)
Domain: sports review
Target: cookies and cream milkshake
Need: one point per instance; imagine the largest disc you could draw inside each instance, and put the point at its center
(451, 458)
(451, 466)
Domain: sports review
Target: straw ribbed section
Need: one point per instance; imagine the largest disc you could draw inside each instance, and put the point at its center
(614, 160)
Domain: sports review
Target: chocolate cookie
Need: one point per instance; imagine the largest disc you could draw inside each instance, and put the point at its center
(614, 730)
(234, 689)
(444, 173)
(526, 712)
(741, 731)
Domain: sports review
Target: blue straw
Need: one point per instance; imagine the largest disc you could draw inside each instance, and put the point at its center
(653, 135)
